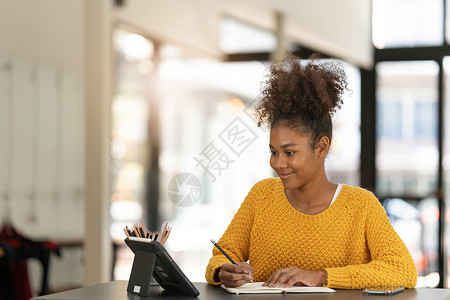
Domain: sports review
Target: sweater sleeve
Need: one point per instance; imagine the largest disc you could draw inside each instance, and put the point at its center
(236, 239)
(391, 263)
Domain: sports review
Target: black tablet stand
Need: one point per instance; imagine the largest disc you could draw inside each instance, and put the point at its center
(141, 273)
(152, 261)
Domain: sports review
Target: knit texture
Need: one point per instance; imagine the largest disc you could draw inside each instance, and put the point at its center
(352, 240)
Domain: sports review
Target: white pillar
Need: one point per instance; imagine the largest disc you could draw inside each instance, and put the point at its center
(281, 48)
(97, 241)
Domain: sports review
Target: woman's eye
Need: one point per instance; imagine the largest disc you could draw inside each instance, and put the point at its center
(289, 153)
(273, 152)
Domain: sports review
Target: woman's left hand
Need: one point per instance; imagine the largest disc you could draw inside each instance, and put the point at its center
(295, 276)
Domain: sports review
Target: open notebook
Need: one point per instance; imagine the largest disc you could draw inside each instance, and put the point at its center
(257, 288)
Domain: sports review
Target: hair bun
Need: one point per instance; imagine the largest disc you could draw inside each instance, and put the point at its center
(310, 88)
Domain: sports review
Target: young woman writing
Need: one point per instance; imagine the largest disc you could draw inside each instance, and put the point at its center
(300, 228)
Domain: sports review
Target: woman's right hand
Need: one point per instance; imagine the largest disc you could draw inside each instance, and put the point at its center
(231, 275)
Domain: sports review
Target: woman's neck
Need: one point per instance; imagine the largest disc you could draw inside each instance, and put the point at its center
(312, 198)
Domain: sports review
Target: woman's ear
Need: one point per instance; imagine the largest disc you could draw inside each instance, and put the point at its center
(323, 146)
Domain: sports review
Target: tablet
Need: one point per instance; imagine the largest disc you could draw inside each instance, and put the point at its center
(152, 259)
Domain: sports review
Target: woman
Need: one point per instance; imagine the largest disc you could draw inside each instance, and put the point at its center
(302, 229)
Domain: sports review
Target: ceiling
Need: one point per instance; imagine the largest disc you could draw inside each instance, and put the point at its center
(338, 28)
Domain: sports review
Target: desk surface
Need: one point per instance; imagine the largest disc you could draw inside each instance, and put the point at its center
(117, 290)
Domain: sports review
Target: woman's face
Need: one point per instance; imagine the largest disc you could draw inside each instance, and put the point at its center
(292, 157)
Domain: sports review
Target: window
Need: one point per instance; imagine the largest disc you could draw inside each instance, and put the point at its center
(407, 127)
(411, 124)
(407, 158)
(130, 138)
(407, 23)
(417, 223)
(446, 157)
(202, 102)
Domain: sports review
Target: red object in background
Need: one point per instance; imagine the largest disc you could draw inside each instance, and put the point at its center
(19, 272)
(14, 277)
(422, 264)
(14, 268)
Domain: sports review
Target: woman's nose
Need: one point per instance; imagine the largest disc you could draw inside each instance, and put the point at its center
(279, 162)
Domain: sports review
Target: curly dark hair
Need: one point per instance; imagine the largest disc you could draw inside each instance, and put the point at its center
(302, 95)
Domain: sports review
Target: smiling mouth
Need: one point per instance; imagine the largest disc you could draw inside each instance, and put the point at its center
(285, 175)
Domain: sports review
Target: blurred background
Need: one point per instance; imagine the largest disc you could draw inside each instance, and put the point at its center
(115, 112)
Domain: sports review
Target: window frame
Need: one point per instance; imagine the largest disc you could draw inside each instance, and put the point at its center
(368, 150)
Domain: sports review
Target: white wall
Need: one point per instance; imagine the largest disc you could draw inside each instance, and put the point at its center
(42, 127)
(49, 31)
(42, 147)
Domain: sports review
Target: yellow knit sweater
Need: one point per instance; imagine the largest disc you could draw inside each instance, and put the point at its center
(352, 240)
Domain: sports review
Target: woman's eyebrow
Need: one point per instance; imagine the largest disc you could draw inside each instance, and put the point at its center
(285, 145)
